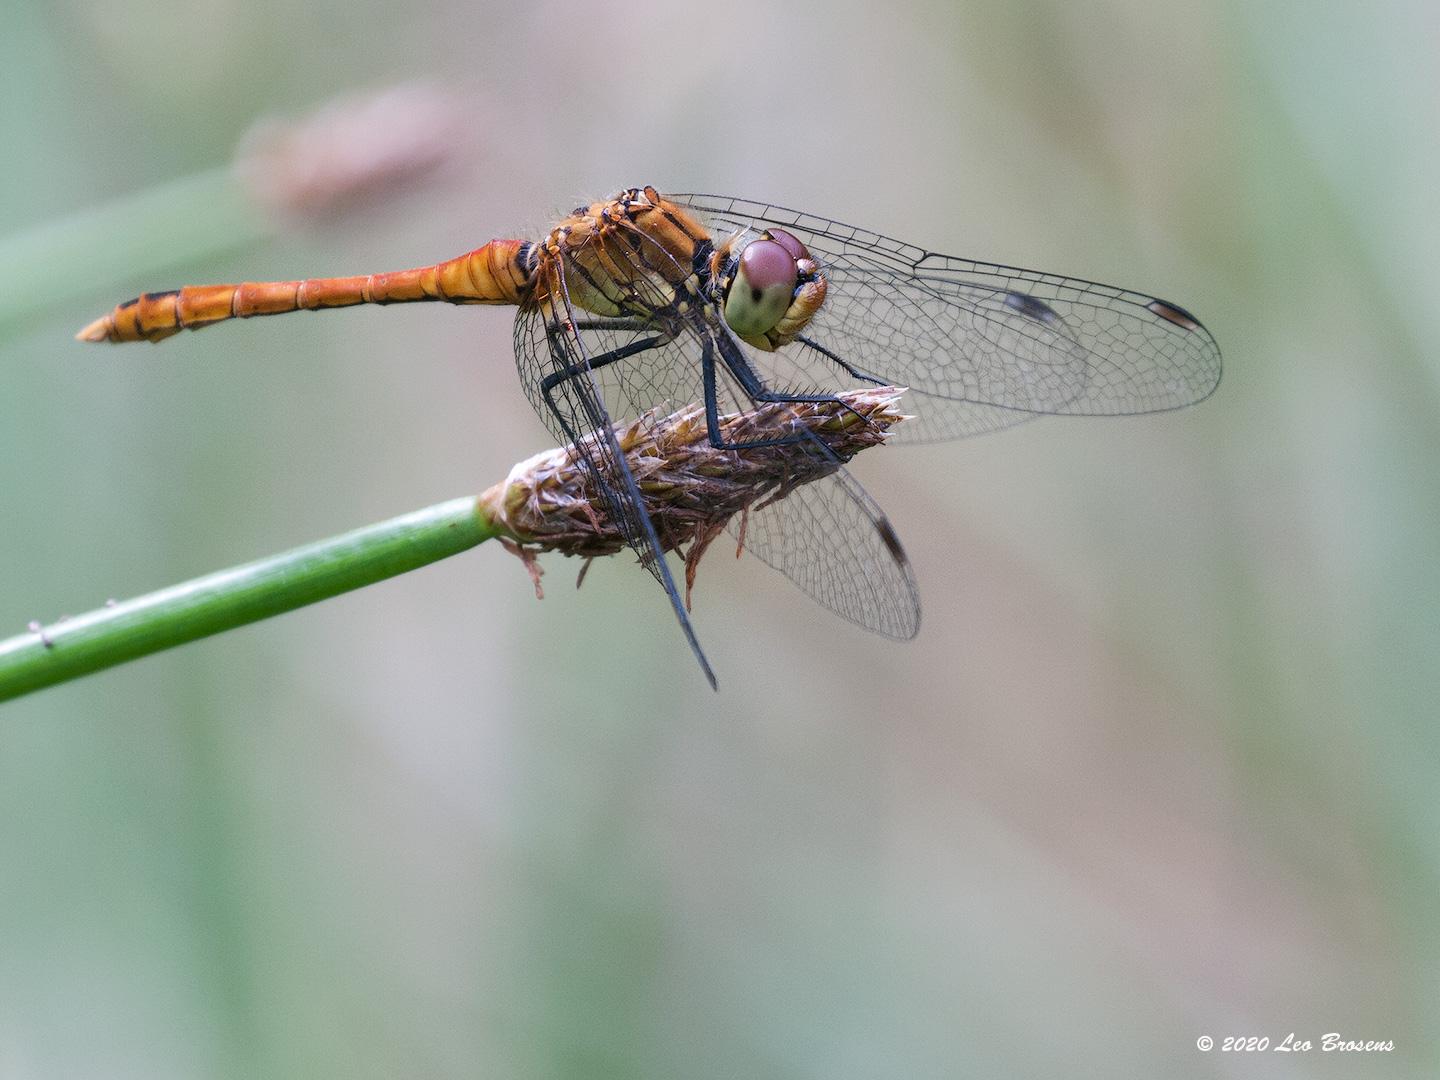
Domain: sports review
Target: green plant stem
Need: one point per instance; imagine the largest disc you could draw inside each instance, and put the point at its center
(207, 605)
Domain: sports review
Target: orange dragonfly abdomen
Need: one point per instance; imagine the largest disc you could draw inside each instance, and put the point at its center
(497, 273)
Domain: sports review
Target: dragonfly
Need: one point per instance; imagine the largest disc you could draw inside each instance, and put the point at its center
(643, 302)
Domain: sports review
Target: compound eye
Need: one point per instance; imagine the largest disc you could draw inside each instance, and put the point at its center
(763, 287)
(789, 243)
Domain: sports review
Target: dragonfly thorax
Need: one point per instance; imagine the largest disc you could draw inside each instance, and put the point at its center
(633, 255)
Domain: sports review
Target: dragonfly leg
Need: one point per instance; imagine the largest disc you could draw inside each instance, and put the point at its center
(613, 324)
(753, 386)
(630, 493)
(853, 372)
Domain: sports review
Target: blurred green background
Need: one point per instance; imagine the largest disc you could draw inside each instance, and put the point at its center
(1162, 763)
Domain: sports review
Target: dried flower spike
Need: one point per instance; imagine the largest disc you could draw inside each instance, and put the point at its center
(691, 489)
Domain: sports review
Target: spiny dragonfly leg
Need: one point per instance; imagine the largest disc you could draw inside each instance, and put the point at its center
(853, 372)
(611, 324)
(756, 389)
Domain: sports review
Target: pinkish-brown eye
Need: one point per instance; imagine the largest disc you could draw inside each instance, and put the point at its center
(789, 243)
(766, 265)
(763, 287)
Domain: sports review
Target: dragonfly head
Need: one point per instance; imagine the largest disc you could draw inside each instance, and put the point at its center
(769, 287)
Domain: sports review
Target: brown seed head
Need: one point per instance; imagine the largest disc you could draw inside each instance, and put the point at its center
(691, 489)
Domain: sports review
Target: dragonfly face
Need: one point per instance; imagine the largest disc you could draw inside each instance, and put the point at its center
(769, 287)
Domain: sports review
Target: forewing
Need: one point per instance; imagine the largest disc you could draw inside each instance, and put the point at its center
(984, 345)
(831, 539)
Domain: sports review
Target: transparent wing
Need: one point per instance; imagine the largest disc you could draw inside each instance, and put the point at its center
(654, 371)
(832, 540)
(983, 345)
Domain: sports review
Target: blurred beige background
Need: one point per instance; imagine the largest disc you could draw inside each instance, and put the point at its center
(1161, 764)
